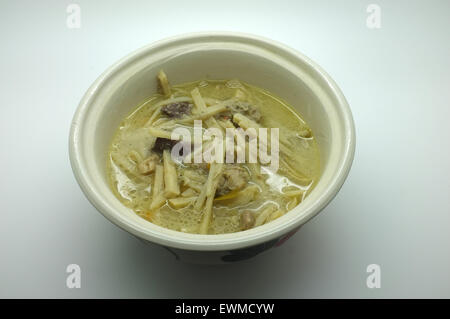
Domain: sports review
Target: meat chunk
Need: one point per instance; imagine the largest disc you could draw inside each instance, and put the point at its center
(176, 110)
(233, 178)
(148, 165)
(162, 144)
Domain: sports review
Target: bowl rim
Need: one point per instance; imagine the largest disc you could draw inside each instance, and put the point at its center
(197, 242)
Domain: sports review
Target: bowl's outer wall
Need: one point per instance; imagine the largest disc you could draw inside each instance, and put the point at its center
(226, 256)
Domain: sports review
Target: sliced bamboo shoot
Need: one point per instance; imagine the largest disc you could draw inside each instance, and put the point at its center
(190, 192)
(181, 202)
(157, 132)
(244, 121)
(264, 215)
(205, 115)
(207, 212)
(163, 83)
(158, 188)
(172, 188)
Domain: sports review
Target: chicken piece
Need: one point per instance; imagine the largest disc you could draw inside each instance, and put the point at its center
(148, 165)
(247, 220)
(234, 178)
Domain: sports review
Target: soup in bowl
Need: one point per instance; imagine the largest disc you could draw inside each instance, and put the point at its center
(151, 149)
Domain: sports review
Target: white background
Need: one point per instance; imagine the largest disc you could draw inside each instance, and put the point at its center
(394, 209)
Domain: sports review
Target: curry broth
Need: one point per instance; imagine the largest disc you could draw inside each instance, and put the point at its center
(257, 195)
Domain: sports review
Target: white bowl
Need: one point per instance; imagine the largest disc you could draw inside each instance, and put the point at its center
(212, 55)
